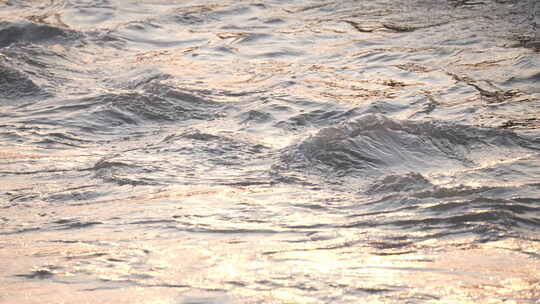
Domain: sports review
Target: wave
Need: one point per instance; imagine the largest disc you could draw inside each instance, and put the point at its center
(373, 145)
(413, 203)
(28, 32)
(110, 110)
(15, 84)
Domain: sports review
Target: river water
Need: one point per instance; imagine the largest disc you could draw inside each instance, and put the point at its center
(269, 151)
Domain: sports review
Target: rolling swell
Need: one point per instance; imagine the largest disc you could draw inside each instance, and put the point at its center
(374, 144)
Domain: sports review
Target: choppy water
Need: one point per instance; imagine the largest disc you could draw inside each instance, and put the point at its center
(269, 151)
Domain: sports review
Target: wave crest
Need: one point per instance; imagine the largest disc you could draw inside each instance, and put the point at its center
(376, 144)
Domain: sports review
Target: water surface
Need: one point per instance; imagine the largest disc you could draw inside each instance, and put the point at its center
(269, 151)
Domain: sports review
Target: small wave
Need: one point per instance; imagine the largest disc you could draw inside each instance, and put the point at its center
(412, 202)
(399, 183)
(104, 112)
(64, 224)
(150, 34)
(202, 14)
(491, 224)
(52, 68)
(38, 274)
(139, 79)
(123, 172)
(319, 118)
(16, 85)
(28, 32)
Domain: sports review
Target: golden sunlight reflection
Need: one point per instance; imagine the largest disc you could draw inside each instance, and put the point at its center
(283, 267)
(300, 265)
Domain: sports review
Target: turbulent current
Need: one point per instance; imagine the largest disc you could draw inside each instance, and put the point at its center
(269, 151)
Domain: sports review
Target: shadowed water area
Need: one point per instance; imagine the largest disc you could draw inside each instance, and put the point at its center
(269, 151)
